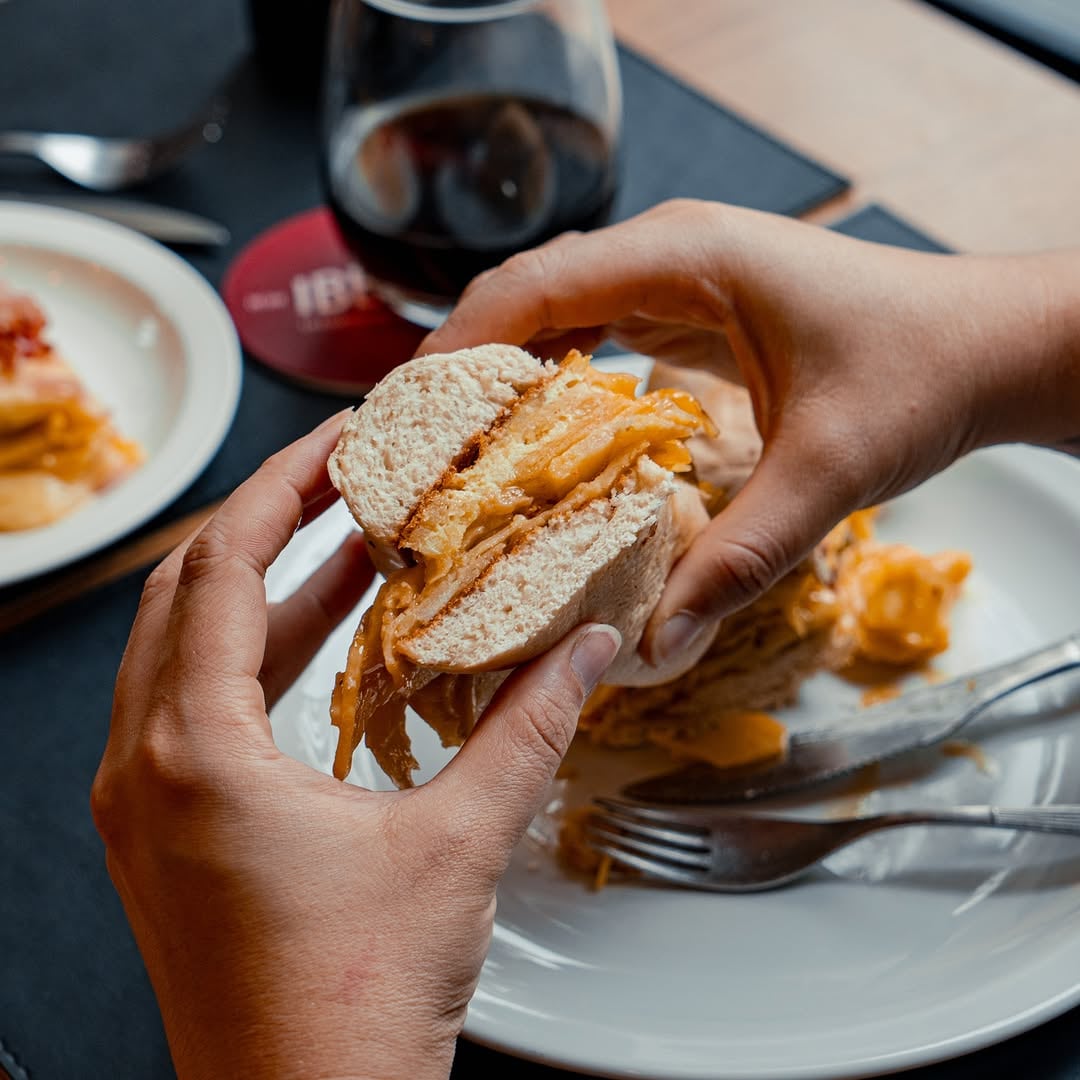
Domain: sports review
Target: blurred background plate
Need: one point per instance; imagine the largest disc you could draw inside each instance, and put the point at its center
(151, 341)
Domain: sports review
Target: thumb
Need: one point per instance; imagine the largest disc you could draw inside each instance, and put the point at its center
(502, 774)
(792, 499)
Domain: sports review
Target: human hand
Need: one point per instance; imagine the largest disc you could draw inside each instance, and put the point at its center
(292, 925)
(869, 367)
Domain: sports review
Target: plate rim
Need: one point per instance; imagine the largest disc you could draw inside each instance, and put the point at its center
(210, 347)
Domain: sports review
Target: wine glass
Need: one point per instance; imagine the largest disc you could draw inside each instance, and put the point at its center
(456, 133)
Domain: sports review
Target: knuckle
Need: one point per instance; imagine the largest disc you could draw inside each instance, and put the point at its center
(159, 583)
(543, 725)
(683, 207)
(474, 286)
(157, 770)
(742, 569)
(570, 236)
(162, 764)
(524, 266)
(277, 466)
(209, 555)
(541, 266)
(682, 204)
(105, 807)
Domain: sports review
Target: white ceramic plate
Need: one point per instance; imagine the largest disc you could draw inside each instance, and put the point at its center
(152, 341)
(911, 947)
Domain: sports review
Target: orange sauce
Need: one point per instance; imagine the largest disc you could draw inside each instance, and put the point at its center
(962, 748)
(877, 695)
(897, 600)
(742, 738)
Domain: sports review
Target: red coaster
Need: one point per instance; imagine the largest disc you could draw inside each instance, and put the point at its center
(301, 305)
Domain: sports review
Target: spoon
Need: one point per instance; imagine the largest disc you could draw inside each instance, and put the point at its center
(103, 163)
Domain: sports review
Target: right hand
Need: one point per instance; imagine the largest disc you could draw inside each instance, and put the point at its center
(293, 925)
(870, 367)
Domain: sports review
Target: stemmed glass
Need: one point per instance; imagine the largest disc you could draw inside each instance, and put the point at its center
(456, 133)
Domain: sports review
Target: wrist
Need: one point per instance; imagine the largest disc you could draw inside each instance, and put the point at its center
(297, 1020)
(324, 1042)
(1031, 392)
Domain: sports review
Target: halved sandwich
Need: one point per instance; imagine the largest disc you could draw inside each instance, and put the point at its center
(506, 501)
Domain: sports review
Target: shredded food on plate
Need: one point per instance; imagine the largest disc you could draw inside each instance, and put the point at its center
(57, 443)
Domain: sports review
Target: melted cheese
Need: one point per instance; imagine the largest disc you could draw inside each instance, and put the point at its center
(562, 434)
(737, 740)
(897, 601)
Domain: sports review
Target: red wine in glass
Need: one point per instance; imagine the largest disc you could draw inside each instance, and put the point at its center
(434, 192)
(456, 133)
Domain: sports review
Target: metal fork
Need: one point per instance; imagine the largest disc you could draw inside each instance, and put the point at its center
(101, 163)
(723, 851)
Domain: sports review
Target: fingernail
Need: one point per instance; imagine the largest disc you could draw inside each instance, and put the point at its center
(593, 652)
(677, 635)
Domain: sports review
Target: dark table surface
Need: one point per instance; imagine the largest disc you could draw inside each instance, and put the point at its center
(74, 1000)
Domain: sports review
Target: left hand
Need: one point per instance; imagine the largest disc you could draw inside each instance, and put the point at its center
(292, 924)
(869, 367)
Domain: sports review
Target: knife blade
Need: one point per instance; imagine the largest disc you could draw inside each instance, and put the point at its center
(164, 223)
(914, 721)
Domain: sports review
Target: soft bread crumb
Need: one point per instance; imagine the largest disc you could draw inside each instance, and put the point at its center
(421, 416)
(596, 562)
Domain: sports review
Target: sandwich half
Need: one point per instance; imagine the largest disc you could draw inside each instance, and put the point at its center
(506, 501)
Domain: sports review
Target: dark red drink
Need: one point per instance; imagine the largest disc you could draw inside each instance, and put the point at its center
(432, 192)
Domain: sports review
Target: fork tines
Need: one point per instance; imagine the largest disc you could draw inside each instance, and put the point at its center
(649, 841)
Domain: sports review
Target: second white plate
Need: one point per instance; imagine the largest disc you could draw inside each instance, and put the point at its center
(151, 340)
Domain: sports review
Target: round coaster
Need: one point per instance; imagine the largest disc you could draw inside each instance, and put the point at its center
(302, 306)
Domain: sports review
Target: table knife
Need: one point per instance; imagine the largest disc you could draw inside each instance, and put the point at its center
(917, 719)
(164, 223)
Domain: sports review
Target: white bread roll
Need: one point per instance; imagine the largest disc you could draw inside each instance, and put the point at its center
(605, 562)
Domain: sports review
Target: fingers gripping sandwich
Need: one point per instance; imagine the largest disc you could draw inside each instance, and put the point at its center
(506, 501)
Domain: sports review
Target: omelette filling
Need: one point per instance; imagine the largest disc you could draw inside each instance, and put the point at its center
(571, 439)
(57, 445)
